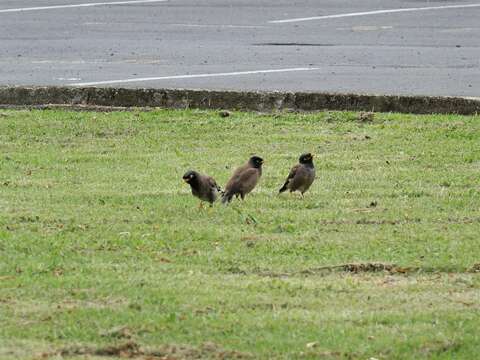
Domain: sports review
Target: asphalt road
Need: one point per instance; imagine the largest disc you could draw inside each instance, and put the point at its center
(235, 44)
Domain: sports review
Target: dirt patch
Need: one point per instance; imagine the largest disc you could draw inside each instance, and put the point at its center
(406, 221)
(366, 116)
(369, 267)
(439, 347)
(364, 221)
(364, 268)
(355, 268)
(132, 350)
(475, 268)
(119, 332)
(126, 350)
(326, 354)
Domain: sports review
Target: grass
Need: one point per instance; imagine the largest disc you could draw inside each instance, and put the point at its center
(104, 252)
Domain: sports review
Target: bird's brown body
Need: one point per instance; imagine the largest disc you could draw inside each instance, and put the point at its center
(203, 187)
(301, 176)
(244, 179)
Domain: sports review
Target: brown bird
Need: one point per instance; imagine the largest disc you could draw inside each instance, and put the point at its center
(244, 179)
(203, 187)
(301, 176)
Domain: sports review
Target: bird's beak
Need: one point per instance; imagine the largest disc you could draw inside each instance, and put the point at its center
(185, 179)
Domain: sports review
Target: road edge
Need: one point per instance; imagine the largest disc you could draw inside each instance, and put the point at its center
(122, 98)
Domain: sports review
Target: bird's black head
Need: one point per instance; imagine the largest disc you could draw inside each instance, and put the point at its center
(190, 176)
(256, 161)
(306, 158)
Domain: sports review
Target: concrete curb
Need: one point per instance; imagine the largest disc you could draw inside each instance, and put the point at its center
(92, 97)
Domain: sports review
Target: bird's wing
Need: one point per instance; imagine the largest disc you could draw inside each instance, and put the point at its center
(248, 179)
(301, 179)
(235, 176)
(213, 184)
(291, 175)
(293, 172)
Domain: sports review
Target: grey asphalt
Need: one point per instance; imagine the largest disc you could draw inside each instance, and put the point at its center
(433, 52)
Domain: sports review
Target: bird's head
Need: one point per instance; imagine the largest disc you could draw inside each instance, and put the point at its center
(306, 158)
(190, 176)
(256, 161)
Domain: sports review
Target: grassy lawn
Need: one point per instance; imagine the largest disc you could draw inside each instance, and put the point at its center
(104, 252)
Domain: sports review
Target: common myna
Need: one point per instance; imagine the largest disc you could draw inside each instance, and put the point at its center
(301, 176)
(244, 179)
(203, 187)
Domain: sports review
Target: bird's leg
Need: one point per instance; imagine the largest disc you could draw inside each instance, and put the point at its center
(210, 208)
(200, 206)
(242, 196)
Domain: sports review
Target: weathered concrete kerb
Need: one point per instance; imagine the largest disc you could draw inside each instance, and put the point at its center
(232, 100)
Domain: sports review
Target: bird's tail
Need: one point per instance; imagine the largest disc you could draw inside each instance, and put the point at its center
(284, 187)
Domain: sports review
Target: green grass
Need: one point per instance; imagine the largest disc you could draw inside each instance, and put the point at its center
(101, 242)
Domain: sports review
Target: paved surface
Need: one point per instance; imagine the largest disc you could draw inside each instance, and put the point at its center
(232, 44)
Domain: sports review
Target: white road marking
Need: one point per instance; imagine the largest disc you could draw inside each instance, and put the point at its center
(68, 79)
(374, 12)
(130, 2)
(193, 76)
(220, 26)
(370, 28)
(58, 62)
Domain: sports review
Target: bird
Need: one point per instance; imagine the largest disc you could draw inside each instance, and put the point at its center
(203, 187)
(301, 176)
(244, 179)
